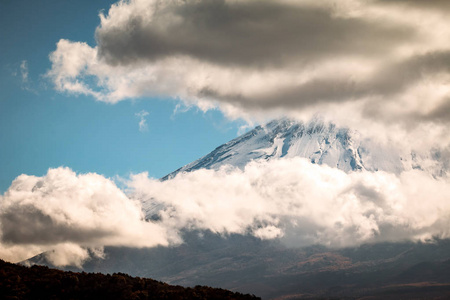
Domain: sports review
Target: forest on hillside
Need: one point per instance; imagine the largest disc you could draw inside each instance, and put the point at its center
(40, 282)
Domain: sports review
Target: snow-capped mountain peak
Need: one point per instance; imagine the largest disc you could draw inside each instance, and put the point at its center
(322, 143)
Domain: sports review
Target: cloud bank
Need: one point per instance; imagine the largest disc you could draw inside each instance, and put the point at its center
(289, 199)
(72, 214)
(383, 61)
(302, 203)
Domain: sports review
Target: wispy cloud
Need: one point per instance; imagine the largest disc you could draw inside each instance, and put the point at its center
(21, 71)
(24, 71)
(142, 120)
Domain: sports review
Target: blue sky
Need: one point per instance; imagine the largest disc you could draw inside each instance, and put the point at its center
(41, 128)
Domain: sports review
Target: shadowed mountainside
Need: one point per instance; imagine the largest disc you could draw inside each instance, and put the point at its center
(274, 271)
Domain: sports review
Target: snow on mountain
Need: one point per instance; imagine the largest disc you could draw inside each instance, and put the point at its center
(322, 143)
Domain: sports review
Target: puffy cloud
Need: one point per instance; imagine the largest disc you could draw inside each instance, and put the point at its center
(301, 203)
(70, 214)
(74, 216)
(71, 64)
(385, 61)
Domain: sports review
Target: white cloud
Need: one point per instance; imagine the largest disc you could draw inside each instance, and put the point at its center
(70, 214)
(71, 66)
(142, 120)
(21, 71)
(24, 71)
(290, 199)
(368, 58)
(302, 203)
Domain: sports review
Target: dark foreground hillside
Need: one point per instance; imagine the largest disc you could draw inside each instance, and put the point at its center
(40, 282)
(271, 270)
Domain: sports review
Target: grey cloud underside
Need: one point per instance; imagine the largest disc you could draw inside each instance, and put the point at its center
(388, 81)
(422, 4)
(311, 93)
(250, 34)
(441, 113)
(28, 225)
